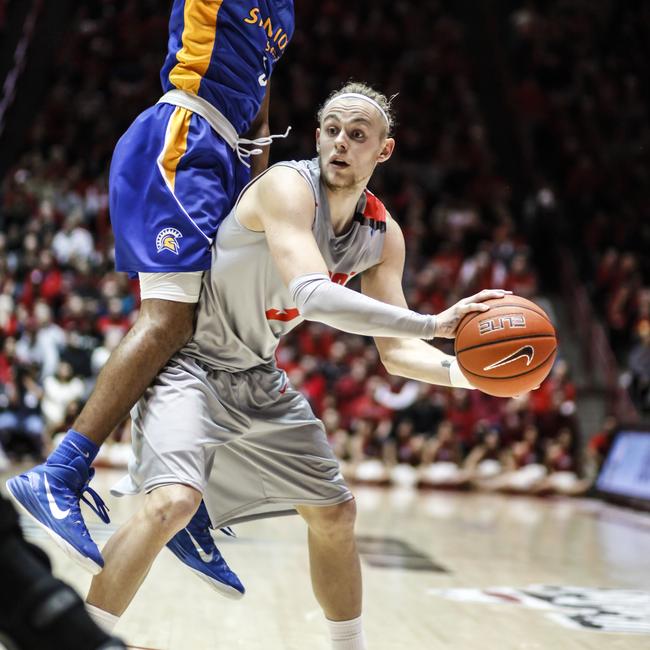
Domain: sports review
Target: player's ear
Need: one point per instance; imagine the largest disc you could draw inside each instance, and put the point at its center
(318, 140)
(387, 150)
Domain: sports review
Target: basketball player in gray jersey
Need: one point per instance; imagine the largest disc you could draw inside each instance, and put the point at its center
(221, 423)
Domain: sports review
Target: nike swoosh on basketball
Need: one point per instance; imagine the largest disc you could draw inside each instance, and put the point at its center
(527, 351)
(57, 513)
(205, 557)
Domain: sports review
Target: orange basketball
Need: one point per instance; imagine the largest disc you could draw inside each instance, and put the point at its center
(507, 350)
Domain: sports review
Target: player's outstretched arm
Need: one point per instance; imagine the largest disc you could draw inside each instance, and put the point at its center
(281, 203)
(414, 358)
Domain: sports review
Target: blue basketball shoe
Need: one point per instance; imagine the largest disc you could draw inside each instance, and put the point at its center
(195, 547)
(50, 495)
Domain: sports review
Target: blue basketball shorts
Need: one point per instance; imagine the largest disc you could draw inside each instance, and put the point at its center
(172, 181)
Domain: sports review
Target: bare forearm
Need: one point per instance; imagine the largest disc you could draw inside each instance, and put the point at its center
(416, 359)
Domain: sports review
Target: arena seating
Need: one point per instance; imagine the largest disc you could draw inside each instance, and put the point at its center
(63, 308)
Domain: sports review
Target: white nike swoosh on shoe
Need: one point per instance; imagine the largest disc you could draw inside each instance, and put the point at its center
(205, 557)
(83, 453)
(57, 513)
(526, 351)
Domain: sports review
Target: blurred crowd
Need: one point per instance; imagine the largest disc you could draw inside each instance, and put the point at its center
(390, 430)
(63, 308)
(580, 72)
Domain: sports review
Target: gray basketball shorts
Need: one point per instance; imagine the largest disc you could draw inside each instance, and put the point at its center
(248, 442)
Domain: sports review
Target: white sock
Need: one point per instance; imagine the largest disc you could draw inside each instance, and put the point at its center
(347, 635)
(105, 620)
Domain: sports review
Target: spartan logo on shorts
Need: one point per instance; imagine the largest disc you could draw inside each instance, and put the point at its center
(167, 240)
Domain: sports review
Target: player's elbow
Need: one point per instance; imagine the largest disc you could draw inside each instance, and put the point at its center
(391, 367)
(310, 311)
(389, 356)
(310, 294)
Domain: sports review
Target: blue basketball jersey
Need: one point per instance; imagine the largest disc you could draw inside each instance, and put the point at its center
(225, 50)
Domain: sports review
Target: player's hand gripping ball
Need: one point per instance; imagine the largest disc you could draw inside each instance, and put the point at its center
(507, 350)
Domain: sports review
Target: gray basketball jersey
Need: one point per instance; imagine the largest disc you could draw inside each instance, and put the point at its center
(245, 306)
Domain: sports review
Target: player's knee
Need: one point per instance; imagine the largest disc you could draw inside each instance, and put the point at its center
(335, 522)
(172, 507)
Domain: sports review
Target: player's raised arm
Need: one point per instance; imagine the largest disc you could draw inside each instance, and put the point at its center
(415, 358)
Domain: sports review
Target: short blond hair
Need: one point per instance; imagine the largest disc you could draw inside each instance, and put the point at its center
(363, 89)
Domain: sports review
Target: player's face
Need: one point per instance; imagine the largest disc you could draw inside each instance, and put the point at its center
(351, 141)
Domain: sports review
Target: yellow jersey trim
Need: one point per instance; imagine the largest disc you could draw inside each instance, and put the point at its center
(175, 147)
(199, 34)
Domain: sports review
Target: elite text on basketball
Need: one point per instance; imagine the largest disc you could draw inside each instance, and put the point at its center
(501, 322)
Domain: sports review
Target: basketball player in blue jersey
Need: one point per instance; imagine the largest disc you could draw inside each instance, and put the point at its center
(220, 425)
(174, 176)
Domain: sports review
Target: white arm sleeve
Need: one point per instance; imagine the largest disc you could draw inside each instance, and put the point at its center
(320, 299)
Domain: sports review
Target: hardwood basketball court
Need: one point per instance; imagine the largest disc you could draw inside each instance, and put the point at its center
(441, 570)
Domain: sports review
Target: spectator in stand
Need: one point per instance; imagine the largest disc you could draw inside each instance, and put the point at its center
(555, 407)
(28, 351)
(481, 271)
(335, 365)
(314, 384)
(442, 459)
(427, 411)
(484, 460)
(523, 465)
(599, 446)
(515, 415)
(561, 465)
(403, 453)
(50, 339)
(338, 437)
(366, 405)
(639, 368)
(521, 279)
(21, 422)
(114, 319)
(72, 241)
(462, 416)
(8, 360)
(397, 394)
(58, 391)
(367, 451)
(406, 446)
(349, 387)
(100, 355)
